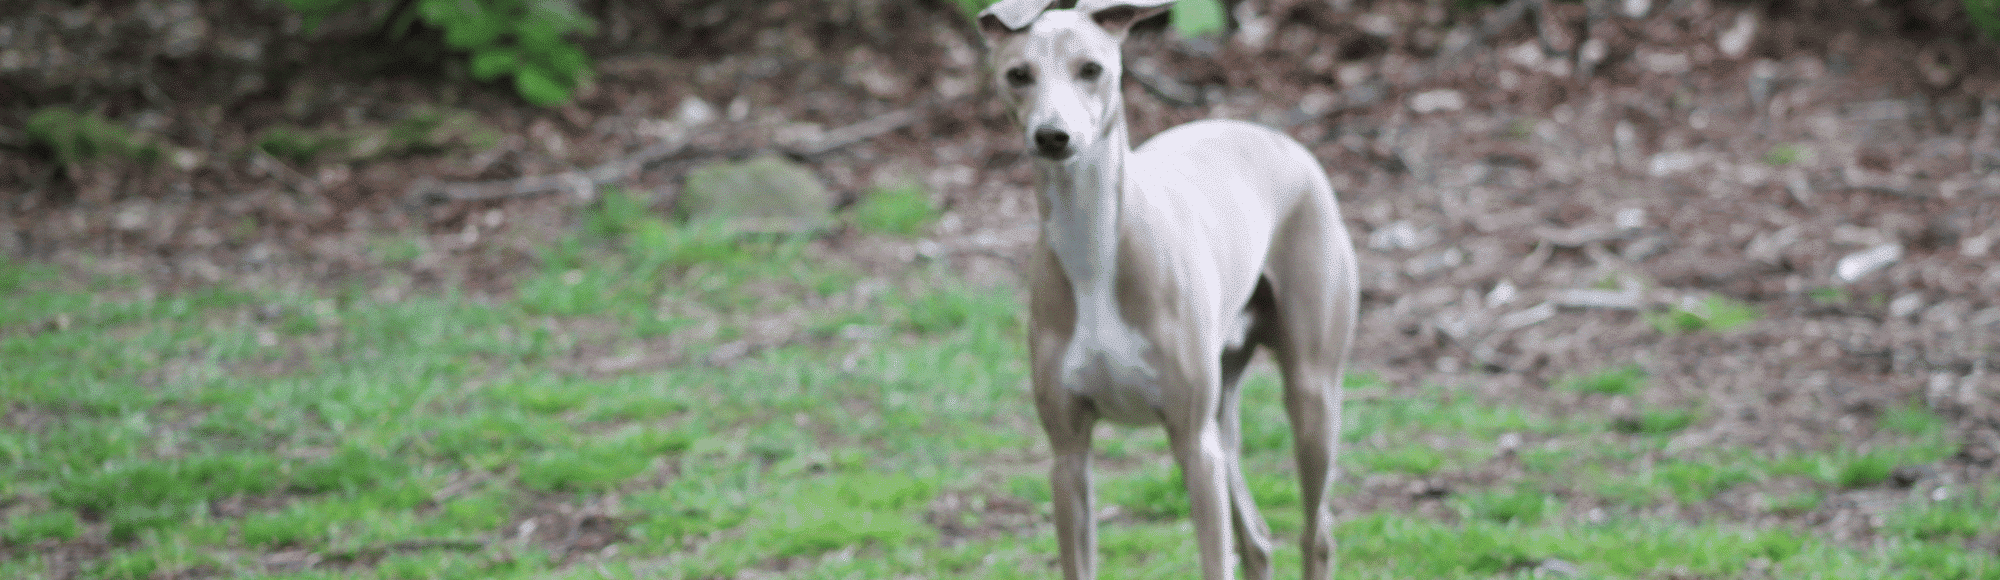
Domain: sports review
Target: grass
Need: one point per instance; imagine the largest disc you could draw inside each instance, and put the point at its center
(1829, 295)
(1784, 154)
(1621, 380)
(1715, 313)
(194, 433)
(901, 211)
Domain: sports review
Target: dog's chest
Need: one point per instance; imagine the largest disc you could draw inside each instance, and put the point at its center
(1114, 366)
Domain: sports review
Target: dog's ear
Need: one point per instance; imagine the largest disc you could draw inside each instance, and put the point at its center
(1117, 16)
(1009, 16)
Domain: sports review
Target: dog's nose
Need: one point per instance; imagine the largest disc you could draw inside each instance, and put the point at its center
(1053, 143)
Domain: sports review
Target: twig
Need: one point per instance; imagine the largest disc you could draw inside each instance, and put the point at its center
(873, 127)
(1165, 88)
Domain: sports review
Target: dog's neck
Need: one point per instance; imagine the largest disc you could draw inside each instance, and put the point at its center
(1081, 202)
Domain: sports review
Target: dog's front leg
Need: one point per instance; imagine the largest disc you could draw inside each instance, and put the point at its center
(1076, 520)
(1200, 453)
(1068, 423)
(1194, 390)
(1068, 427)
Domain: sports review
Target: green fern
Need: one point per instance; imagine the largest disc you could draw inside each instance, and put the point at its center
(522, 39)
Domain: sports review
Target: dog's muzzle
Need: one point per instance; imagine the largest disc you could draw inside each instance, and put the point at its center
(1052, 143)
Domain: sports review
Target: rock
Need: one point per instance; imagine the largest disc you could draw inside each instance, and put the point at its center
(694, 112)
(1438, 101)
(1630, 218)
(1669, 163)
(1434, 262)
(1906, 305)
(1502, 293)
(1909, 475)
(762, 195)
(1769, 248)
(1524, 318)
(1665, 63)
(1735, 41)
(1635, 8)
(1528, 54)
(1401, 235)
(1377, 25)
(1853, 266)
(1554, 568)
(1977, 246)
(1597, 298)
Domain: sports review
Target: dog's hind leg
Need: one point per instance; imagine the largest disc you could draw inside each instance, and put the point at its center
(1314, 275)
(1253, 536)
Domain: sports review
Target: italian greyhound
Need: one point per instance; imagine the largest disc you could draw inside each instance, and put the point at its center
(1158, 272)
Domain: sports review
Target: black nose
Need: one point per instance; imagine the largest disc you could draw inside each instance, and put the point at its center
(1053, 143)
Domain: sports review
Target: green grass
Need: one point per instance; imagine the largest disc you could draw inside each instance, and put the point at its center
(1622, 380)
(1652, 421)
(1784, 154)
(193, 433)
(1715, 313)
(900, 211)
(1828, 295)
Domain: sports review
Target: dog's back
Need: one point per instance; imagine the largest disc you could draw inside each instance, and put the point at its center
(1238, 181)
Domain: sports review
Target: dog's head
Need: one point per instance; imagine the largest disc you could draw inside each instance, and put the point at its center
(1059, 69)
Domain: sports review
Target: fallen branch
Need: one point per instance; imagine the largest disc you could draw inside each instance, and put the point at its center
(584, 183)
(873, 127)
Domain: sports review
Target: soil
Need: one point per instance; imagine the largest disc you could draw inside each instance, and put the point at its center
(1526, 194)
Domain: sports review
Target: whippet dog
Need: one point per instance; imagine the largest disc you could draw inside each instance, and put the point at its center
(1159, 271)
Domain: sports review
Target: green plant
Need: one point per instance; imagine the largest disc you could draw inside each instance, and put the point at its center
(1984, 14)
(1849, 470)
(1954, 518)
(1198, 17)
(1828, 295)
(28, 529)
(76, 137)
(1912, 418)
(1520, 506)
(522, 39)
(1697, 481)
(297, 145)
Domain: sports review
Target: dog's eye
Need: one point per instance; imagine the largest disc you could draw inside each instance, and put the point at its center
(1089, 71)
(1018, 76)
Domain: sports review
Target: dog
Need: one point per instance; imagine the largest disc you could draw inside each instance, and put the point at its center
(1157, 273)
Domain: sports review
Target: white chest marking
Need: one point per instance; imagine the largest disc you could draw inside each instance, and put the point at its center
(1110, 363)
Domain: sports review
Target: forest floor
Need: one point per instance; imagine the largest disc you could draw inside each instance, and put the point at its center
(1733, 262)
